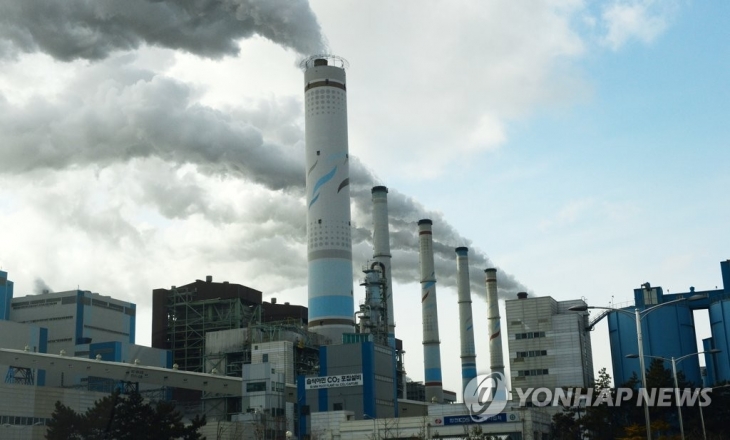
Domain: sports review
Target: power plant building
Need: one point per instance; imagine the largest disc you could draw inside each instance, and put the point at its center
(669, 331)
(548, 344)
(74, 319)
(358, 378)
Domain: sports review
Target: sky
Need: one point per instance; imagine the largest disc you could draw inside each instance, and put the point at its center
(581, 147)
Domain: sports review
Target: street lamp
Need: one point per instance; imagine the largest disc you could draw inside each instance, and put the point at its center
(702, 416)
(638, 316)
(674, 373)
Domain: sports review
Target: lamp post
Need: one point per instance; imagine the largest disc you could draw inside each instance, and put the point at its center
(702, 416)
(638, 316)
(676, 383)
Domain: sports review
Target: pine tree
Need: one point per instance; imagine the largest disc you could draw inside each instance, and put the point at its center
(123, 418)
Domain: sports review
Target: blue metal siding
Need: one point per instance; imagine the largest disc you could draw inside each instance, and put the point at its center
(719, 313)
(42, 348)
(6, 295)
(323, 372)
(79, 317)
(725, 269)
(368, 376)
(301, 402)
(710, 362)
(132, 323)
(667, 331)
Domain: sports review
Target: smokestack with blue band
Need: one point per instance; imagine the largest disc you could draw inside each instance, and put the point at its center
(381, 252)
(431, 342)
(493, 322)
(329, 246)
(466, 324)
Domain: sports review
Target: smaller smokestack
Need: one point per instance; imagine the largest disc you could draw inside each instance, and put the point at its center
(381, 253)
(429, 310)
(209, 279)
(466, 324)
(522, 295)
(495, 332)
(273, 300)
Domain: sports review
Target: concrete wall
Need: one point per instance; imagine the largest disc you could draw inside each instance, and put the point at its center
(30, 407)
(17, 336)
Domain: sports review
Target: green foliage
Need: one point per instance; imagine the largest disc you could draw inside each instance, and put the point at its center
(122, 418)
(65, 424)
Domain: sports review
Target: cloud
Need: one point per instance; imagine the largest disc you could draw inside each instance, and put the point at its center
(642, 20)
(79, 29)
(444, 82)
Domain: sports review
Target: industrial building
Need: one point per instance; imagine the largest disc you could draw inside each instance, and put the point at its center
(74, 320)
(669, 331)
(6, 294)
(548, 344)
(222, 327)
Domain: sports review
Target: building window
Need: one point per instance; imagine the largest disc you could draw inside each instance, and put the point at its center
(531, 353)
(336, 407)
(529, 335)
(255, 387)
(534, 372)
(266, 357)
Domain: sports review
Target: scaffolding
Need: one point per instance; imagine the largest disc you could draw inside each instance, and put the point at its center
(189, 319)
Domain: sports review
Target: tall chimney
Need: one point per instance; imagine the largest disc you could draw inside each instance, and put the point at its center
(329, 243)
(466, 324)
(429, 310)
(496, 363)
(381, 252)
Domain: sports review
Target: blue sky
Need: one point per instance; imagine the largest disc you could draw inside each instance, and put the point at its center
(582, 147)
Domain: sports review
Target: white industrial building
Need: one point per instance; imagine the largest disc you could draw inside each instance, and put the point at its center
(548, 345)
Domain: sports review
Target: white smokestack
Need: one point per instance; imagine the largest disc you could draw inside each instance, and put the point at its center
(493, 320)
(331, 303)
(431, 341)
(381, 252)
(466, 324)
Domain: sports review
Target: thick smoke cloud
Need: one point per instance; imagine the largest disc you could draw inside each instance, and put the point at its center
(82, 29)
(131, 114)
(135, 114)
(404, 213)
(116, 113)
(40, 287)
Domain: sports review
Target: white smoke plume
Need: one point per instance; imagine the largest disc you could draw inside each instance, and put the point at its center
(82, 29)
(117, 113)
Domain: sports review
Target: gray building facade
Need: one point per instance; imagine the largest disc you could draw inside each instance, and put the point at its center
(548, 344)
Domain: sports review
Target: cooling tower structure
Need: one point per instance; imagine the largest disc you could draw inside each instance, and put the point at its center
(381, 252)
(496, 363)
(329, 246)
(431, 342)
(466, 324)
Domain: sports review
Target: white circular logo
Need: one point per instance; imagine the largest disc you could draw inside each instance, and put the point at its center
(485, 396)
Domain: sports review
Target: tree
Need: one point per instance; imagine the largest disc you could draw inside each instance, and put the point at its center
(65, 424)
(566, 424)
(123, 418)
